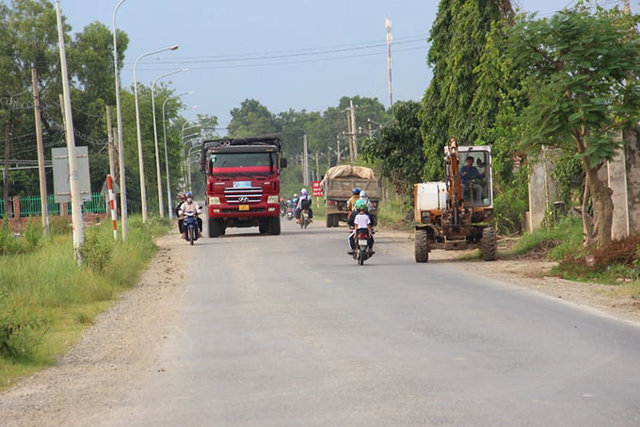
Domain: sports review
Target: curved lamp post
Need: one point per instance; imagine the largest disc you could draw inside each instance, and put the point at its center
(155, 138)
(143, 189)
(166, 151)
(124, 219)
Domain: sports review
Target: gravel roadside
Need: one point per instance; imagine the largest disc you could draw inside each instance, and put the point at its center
(113, 356)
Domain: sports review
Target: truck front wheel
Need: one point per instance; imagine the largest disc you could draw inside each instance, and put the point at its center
(215, 228)
(274, 225)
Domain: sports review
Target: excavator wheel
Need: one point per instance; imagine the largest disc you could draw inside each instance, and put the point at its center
(422, 245)
(489, 244)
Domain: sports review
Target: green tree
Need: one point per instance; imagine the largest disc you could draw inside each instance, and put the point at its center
(582, 92)
(398, 148)
(457, 38)
(251, 119)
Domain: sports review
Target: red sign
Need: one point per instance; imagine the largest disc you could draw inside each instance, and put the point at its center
(316, 189)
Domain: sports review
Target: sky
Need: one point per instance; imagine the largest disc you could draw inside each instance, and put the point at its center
(288, 54)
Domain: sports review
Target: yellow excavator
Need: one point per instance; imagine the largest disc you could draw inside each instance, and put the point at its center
(457, 214)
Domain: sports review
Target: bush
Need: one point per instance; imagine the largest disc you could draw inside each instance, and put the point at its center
(33, 234)
(59, 225)
(97, 250)
(8, 243)
(18, 322)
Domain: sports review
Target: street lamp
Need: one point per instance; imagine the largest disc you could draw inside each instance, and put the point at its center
(143, 189)
(166, 152)
(124, 219)
(188, 160)
(185, 165)
(155, 138)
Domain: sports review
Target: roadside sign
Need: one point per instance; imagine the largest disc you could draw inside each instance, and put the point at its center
(61, 188)
(316, 189)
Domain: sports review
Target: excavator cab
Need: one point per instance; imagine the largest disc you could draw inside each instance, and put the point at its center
(458, 213)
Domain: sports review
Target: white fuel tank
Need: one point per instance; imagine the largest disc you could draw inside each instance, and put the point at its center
(431, 196)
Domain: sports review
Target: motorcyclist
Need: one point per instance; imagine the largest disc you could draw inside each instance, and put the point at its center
(190, 206)
(361, 222)
(294, 201)
(371, 209)
(181, 199)
(304, 202)
(355, 195)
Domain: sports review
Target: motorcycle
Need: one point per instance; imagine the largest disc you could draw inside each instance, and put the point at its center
(361, 251)
(190, 224)
(304, 218)
(289, 213)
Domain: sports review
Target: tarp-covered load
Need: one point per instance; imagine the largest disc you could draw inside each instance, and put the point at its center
(339, 181)
(349, 171)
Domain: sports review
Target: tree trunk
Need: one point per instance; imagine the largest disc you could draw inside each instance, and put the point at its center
(587, 220)
(602, 204)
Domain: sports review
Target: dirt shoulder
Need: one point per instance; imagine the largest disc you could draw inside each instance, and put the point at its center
(114, 355)
(527, 273)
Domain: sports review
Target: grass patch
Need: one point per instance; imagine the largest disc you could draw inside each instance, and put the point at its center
(47, 300)
(395, 215)
(551, 243)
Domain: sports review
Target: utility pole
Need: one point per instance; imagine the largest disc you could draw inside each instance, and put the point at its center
(328, 157)
(387, 25)
(74, 184)
(317, 168)
(337, 149)
(349, 134)
(370, 130)
(110, 143)
(124, 216)
(44, 206)
(354, 130)
(626, 7)
(305, 161)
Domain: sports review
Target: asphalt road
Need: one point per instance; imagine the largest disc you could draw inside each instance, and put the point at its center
(289, 330)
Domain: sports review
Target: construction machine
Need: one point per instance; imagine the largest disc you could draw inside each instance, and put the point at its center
(457, 214)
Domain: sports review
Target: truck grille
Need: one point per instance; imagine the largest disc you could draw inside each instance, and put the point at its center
(243, 195)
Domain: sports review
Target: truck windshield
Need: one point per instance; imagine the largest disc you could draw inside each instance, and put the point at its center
(224, 163)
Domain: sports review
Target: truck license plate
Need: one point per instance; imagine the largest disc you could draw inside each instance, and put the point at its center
(243, 207)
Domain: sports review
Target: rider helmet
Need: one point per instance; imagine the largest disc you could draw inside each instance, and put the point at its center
(295, 195)
(355, 191)
(303, 191)
(188, 194)
(363, 194)
(182, 196)
(361, 205)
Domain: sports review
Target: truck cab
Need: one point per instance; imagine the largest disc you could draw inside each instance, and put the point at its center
(242, 183)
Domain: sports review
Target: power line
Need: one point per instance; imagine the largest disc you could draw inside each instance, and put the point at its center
(302, 61)
(293, 52)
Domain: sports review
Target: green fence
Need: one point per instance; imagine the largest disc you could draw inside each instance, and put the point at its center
(30, 205)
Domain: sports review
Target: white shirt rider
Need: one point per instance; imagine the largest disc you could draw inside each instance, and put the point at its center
(190, 206)
(361, 220)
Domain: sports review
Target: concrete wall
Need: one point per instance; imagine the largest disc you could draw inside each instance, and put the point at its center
(542, 189)
(632, 160)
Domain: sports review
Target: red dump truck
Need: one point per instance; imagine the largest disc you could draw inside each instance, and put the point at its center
(243, 183)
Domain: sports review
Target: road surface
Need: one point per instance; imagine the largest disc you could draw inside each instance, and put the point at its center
(289, 330)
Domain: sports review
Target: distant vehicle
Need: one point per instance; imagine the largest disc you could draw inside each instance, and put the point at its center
(457, 214)
(337, 185)
(243, 183)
